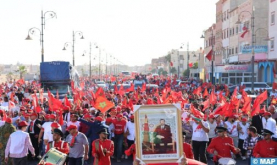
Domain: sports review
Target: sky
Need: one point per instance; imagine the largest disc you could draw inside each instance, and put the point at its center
(131, 31)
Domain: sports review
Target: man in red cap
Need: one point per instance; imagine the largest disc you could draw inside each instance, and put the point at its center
(270, 125)
(78, 144)
(34, 130)
(102, 149)
(46, 127)
(119, 127)
(5, 130)
(18, 145)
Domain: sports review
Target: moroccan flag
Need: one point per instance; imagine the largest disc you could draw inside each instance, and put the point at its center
(195, 112)
(209, 55)
(103, 104)
(99, 92)
(11, 105)
(115, 89)
(259, 100)
(190, 65)
(72, 86)
(197, 91)
(61, 118)
(221, 109)
(143, 88)
(213, 98)
(130, 104)
(124, 102)
(113, 79)
(66, 102)
(245, 29)
(205, 92)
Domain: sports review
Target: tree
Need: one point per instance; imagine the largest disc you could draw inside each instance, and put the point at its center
(195, 65)
(160, 71)
(9, 76)
(22, 70)
(173, 70)
(186, 73)
(164, 73)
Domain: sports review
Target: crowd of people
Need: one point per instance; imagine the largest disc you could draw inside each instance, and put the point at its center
(216, 122)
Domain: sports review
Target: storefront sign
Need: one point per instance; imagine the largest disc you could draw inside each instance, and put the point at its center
(233, 68)
(258, 49)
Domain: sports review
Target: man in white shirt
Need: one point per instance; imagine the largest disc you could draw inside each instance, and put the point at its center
(231, 125)
(270, 125)
(46, 127)
(130, 131)
(74, 121)
(243, 134)
(200, 138)
(18, 145)
(49, 134)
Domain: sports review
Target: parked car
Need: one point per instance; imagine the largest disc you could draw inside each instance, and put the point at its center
(257, 86)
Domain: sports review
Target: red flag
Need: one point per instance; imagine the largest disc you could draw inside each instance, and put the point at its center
(121, 90)
(195, 112)
(206, 104)
(103, 104)
(11, 105)
(12, 97)
(143, 88)
(115, 89)
(274, 85)
(209, 55)
(221, 109)
(99, 92)
(197, 91)
(130, 104)
(247, 105)
(124, 102)
(213, 98)
(245, 29)
(259, 100)
(20, 81)
(67, 102)
(205, 92)
(190, 65)
(61, 118)
(35, 103)
(171, 64)
(82, 85)
(131, 89)
(113, 79)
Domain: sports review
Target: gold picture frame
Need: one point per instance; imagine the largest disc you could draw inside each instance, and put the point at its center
(158, 133)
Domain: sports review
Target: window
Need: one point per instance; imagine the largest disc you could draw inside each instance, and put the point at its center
(230, 32)
(227, 14)
(232, 50)
(237, 30)
(224, 15)
(273, 18)
(233, 31)
(272, 44)
(236, 50)
(227, 33)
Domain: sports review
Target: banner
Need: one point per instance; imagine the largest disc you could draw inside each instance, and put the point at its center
(257, 49)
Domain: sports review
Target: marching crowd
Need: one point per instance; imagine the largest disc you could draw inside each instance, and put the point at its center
(98, 125)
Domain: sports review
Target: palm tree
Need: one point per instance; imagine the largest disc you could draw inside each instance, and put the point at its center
(22, 70)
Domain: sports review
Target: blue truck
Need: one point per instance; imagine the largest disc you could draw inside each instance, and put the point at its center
(57, 76)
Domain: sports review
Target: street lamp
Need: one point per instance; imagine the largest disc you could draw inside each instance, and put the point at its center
(31, 31)
(203, 37)
(73, 44)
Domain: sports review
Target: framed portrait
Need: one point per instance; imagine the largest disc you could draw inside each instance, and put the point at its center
(158, 133)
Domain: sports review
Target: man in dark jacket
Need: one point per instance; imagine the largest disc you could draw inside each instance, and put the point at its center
(257, 121)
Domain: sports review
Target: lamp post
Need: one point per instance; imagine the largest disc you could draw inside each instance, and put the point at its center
(73, 44)
(31, 31)
(89, 59)
(212, 65)
(252, 43)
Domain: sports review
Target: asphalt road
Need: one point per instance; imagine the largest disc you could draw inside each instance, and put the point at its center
(129, 162)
